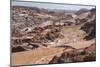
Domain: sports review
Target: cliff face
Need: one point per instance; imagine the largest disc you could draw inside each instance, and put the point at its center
(52, 37)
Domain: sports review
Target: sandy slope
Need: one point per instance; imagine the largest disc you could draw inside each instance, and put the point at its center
(44, 55)
(31, 57)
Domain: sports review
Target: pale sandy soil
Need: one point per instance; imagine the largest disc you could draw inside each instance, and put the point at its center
(32, 57)
(43, 54)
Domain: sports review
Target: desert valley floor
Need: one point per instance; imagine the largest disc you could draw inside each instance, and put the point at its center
(43, 36)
